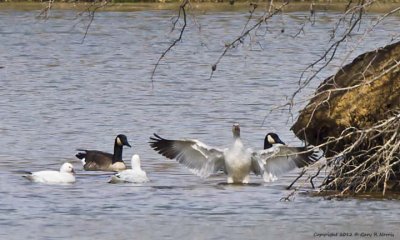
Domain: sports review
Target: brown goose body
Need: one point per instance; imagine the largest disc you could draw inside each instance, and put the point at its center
(94, 160)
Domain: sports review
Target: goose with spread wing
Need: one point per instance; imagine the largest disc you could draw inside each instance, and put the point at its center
(286, 158)
(236, 161)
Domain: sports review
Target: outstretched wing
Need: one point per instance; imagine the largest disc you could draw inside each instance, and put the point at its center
(281, 159)
(201, 159)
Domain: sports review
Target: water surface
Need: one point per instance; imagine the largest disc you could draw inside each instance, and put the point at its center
(57, 94)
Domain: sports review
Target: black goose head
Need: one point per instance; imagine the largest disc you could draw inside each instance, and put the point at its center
(122, 140)
(270, 139)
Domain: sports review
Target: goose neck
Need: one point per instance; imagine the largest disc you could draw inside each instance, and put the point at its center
(117, 157)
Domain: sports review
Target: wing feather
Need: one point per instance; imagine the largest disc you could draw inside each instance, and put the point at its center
(278, 160)
(201, 159)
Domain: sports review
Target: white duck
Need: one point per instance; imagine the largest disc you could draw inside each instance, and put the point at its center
(65, 175)
(236, 161)
(134, 175)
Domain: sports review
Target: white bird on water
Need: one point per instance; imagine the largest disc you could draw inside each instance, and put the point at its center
(134, 175)
(236, 161)
(65, 175)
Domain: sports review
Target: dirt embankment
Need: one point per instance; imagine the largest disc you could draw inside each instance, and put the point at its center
(360, 95)
(355, 117)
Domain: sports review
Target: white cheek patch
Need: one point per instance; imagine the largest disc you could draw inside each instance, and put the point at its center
(119, 141)
(271, 140)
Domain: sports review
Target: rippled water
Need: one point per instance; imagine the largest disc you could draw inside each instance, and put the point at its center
(57, 95)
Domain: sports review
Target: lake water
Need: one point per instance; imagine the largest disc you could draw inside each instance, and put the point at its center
(58, 94)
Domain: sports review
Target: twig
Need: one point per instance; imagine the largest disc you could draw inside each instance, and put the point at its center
(298, 177)
(182, 10)
(315, 175)
(240, 39)
(44, 14)
(91, 13)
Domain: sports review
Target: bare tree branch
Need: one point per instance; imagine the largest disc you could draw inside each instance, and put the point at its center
(240, 39)
(44, 14)
(182, 10)
(91, 10)
(298, 177)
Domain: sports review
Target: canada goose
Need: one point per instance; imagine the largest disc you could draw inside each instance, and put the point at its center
(271, 139)
(94, 160)
(134, 175)
(274, 147)
(65, 175)
(236, 161)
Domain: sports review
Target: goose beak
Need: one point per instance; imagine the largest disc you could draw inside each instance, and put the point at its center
(73, 171)
(281, 142)
(126, 143)
(122, 140)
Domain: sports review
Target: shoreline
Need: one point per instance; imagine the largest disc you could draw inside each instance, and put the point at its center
(196, 6)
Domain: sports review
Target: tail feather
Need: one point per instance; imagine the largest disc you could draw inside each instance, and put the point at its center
(29, 177)
(22, 172)
(115, 179)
